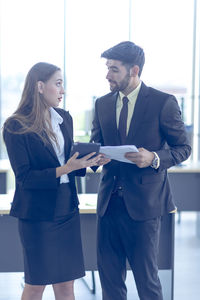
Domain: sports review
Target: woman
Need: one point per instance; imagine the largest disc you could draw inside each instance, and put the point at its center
(38, 137)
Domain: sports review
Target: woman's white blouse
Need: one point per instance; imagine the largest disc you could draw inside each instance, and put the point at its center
(56, 120)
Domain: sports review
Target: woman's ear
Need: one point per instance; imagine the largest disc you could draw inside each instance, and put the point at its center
(135, 71)
(40, 85)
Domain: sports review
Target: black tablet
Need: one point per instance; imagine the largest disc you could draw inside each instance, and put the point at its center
(85, 148)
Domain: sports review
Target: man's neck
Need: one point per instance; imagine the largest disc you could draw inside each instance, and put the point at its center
(131, 88)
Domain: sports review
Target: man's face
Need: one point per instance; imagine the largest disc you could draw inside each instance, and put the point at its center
(118, 76)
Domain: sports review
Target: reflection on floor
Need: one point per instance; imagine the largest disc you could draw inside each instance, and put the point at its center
(187, 270)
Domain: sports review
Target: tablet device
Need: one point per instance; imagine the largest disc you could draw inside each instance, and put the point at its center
(85, 148)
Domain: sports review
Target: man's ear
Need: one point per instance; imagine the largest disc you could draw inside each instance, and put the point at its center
(134, 71)
(40, 85)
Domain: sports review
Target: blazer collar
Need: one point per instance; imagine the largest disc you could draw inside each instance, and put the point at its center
(64, 126)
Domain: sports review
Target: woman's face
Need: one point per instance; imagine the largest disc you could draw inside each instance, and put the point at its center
(52, 90)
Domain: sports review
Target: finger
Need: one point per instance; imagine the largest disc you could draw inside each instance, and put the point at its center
(86, 157)
(75, 155)
(105, 162)
(102, 155)
(92, 161)
(131, 155)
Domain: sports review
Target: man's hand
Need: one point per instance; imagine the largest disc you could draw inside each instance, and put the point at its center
(142, 159)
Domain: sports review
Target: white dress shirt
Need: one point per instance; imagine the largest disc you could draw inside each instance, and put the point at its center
(132, 97)
(56, 120)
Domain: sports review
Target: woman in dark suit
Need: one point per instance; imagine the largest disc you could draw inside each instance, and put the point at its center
(38, 137)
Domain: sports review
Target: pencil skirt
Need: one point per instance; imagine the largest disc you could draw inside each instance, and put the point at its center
(52, 250)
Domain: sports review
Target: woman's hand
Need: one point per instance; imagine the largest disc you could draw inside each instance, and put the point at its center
(75, 163)
(103, 160)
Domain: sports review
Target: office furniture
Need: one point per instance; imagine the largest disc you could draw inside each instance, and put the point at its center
(11, 253)
(4, 169)
(185, 185)
(184, 181)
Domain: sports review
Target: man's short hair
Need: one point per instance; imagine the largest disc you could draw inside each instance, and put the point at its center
(128, 53)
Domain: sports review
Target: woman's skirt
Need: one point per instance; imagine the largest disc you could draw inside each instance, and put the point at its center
(52, 250)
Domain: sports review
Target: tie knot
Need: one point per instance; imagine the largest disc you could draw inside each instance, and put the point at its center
(125, 100)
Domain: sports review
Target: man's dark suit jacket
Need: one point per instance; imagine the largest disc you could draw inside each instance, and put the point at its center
(34, 165)
(156, 125)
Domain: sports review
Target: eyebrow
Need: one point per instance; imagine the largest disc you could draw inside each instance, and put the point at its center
(113, 68)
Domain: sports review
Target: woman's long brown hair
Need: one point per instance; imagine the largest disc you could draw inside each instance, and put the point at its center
(30, 113)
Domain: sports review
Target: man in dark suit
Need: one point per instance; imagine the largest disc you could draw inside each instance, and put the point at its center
(133, 196)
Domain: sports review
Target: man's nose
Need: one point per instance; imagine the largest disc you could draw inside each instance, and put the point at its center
(108, 76)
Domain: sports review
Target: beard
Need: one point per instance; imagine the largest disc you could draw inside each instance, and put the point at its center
(120, 86)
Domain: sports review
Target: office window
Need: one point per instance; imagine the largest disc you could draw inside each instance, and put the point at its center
(31, 31)
(73, 34)
(165, 30)
(92, 26)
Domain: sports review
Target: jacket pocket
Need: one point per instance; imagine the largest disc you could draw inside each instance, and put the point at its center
(152, 178)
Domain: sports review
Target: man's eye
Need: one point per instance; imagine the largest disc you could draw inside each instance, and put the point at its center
(58, 84)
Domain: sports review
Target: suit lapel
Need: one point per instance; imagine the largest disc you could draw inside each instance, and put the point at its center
(50, 149)
(66, 129)
(111, 108)
(138, 114)
(67, 138)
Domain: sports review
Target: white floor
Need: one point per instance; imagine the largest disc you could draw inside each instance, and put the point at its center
(186, 280)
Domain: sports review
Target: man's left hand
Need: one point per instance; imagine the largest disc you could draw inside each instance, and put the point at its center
(142, 159)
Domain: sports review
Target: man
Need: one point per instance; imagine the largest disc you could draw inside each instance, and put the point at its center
(133, 196)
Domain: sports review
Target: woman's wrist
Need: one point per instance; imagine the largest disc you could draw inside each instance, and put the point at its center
(62, 170)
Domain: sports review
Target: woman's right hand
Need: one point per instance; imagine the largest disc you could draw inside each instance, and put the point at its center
(75, 163)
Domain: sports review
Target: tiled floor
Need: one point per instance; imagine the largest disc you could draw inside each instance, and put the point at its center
(187, 270)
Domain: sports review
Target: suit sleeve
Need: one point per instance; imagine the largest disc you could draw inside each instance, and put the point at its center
(26, 177)
(80, 172)
(96, 135)
(173, 130)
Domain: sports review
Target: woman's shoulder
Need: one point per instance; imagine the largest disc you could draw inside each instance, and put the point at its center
(10, 128)
(12, 124)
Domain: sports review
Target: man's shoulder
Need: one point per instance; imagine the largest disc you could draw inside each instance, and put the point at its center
(158, 92)
(111, 96)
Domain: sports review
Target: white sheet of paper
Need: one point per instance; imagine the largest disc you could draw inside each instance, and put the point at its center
(118, 152)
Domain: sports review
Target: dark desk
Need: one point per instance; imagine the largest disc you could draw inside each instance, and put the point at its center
(11, 253)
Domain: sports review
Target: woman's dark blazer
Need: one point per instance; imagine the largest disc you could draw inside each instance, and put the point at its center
(34, 165)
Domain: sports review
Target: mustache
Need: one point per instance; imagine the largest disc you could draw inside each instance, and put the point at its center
(111, 81)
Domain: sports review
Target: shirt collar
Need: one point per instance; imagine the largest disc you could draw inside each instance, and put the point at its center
(133, 95)
(55, 117)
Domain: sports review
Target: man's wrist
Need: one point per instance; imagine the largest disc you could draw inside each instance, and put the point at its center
(156, 161)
